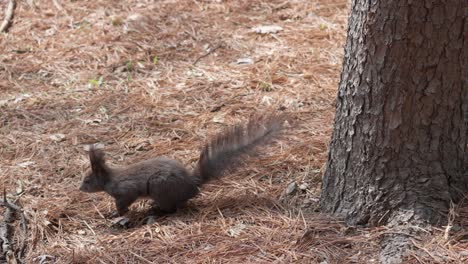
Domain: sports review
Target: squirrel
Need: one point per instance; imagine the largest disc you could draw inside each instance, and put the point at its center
(166, 181)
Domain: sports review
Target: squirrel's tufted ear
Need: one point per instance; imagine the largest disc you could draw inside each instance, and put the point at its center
(96, 157)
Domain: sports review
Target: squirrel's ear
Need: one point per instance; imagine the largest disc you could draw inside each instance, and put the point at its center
(96, 157)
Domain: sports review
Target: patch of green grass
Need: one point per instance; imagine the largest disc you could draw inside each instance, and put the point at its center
(130, 66)
(117, 21)
(96, 82)
(266, 87)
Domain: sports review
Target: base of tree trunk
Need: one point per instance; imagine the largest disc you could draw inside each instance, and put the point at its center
(396, 243)
(399, 149)
(393, 248)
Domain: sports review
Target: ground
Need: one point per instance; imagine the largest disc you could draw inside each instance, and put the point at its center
(148, 78)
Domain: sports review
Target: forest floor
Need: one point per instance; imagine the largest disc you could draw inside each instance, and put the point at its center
(148, 78)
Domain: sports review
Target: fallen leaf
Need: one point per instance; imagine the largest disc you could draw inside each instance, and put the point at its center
(267, 100)
(236, 230)
(57, 137)
(26, 164)
(246, 61)
(93, 121)
(219, 119)
(291, 188)
(145, 145)
(194, 73)
(19, 188)
(268, 29)
(21, 97)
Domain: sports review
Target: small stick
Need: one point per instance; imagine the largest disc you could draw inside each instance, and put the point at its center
(8, 16)
(5, 228)
(9, 205)
(208, 53)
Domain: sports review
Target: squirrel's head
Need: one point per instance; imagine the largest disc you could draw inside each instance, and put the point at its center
(97, 177)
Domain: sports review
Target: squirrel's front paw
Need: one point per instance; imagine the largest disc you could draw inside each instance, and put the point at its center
(150, 219)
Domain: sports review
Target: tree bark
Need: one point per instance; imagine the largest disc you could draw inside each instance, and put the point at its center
(399, 147)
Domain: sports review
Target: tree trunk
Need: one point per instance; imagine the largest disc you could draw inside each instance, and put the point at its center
(399, 147)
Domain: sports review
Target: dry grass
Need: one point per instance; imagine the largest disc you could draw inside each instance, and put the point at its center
(123, 73)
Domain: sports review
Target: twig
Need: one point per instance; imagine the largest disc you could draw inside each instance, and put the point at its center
(5, 229)
(208, 53)
(8, 16)
(140, 257)
(9, 205)
(24, 228)
(451, 218)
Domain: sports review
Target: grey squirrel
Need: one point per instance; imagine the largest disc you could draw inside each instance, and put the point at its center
(167, 181)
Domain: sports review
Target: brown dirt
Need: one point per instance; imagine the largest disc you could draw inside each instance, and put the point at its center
(143, 79)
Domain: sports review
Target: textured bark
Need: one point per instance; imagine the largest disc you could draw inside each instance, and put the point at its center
(399, 146)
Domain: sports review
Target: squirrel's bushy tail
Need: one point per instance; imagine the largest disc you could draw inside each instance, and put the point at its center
(228, 149)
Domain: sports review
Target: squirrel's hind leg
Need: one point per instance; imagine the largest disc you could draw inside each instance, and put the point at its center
(164, 206)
